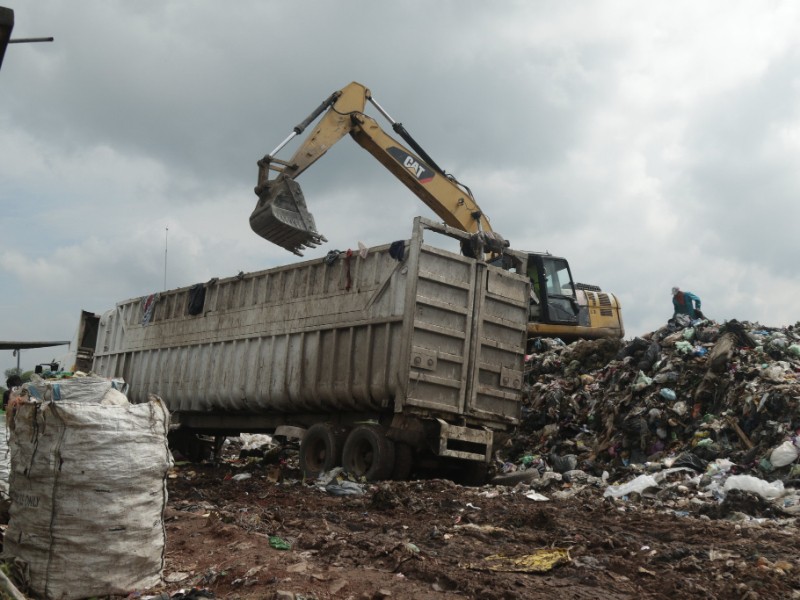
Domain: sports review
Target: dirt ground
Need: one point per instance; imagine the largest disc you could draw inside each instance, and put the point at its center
(433, 538)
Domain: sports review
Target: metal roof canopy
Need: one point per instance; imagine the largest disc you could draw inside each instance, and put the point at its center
(29, 345)
(6, 25)
(17, 346)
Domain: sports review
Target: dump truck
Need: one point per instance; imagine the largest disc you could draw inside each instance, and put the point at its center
(377, 360)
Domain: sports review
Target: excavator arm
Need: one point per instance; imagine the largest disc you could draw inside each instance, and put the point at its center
(281, 215)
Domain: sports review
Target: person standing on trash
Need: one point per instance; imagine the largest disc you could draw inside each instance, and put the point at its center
(12, 382)
(686, 303)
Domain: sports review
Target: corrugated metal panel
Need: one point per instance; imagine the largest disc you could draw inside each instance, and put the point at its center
(499, 357)
(286, 339)
(440, 332)
(468, 338)
(435, 334)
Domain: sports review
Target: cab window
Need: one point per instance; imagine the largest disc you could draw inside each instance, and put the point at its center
(559, 280)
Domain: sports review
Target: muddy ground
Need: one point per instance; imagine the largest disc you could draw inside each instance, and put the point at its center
(433, 538)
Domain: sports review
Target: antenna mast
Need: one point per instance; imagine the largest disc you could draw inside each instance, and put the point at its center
(166, 242)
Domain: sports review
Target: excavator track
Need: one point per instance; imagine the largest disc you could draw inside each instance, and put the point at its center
(282, 217)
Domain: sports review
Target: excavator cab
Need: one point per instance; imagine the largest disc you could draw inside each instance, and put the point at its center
(554, 289)
(560, 307)
(282, 217)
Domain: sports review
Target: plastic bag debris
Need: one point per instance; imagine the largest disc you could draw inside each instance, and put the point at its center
(334, 482)
(279, 543)
(536, 496)
(540, 561)
(785, 454)
(253, 441)
(642, 381)
(667, 394)
(345, 488)
(635, 486)
(749, 483)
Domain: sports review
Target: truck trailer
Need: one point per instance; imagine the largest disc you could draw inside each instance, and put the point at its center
(376, 360)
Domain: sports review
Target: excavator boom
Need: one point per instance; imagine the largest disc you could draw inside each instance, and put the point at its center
(281, 215)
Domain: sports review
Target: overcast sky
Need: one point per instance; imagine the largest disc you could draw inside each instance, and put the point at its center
(651, 143)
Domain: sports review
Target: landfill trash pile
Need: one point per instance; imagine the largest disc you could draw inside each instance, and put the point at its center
(710, 406)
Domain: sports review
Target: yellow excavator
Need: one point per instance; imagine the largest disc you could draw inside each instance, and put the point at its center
(559, 307)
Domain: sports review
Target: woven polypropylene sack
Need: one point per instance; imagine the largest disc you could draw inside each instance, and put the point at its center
(5, 463)
(88, 491)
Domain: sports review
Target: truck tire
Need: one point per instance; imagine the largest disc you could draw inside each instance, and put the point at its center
(368, 453)
(320, 450)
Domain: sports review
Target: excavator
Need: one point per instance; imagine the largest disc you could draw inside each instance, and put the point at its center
(559, 307)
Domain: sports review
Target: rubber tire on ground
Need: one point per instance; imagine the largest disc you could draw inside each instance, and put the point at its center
(368, 453)
(320, 450)
(403, 461)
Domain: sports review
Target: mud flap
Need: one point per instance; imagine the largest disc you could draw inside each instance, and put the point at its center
(281, 216)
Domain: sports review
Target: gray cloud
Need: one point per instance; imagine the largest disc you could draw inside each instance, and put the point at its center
(651, 144)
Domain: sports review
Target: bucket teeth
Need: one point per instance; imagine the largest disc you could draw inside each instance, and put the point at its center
(281, 217)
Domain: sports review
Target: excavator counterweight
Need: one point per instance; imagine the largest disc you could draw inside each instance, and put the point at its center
(282, 217)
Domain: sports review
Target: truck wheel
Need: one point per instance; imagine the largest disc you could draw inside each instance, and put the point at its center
(403, 461)
(320, 449)
(368, 453)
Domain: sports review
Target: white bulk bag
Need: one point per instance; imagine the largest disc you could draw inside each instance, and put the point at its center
(88, 491)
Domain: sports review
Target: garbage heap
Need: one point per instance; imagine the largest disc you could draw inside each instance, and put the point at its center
(692, 395)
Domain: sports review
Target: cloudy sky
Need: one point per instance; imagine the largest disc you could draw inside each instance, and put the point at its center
(651, 143)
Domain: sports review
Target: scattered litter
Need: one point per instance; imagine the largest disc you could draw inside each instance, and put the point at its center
(748, 483)
(345, 488)
(785, 454)
(278, 543)
(536, 496)
(540, 561)
(253, 441)
(636, 486)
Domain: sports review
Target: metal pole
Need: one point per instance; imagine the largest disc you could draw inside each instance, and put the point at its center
(30, 40)
(166, 240)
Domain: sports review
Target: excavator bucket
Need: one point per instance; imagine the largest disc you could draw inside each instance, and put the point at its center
(281, 216)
